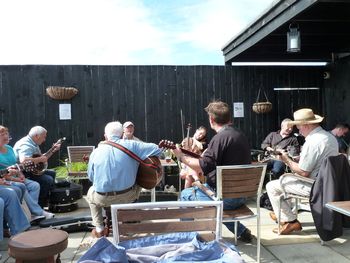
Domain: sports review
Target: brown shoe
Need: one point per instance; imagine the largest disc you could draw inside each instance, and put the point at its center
(288, 228)
(274, 218)
(96, 234)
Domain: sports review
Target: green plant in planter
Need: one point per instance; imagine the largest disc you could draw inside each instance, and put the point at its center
(62, 171)
(78, 166)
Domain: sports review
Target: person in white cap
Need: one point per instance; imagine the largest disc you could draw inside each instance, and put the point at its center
(319, 144)
(129, 129)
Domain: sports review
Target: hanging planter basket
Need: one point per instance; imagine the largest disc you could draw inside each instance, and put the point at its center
(262, 107)
(61, 93)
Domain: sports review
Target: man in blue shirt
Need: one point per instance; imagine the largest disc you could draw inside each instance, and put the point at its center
(113, 174)
(28, 148)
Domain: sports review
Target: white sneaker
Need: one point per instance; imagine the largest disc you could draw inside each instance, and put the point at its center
(36, 218)
(48, 215)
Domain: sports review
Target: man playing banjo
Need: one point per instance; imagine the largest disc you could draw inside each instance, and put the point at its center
(28, 148)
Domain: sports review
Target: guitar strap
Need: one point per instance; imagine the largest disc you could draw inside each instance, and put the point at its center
(130, 153)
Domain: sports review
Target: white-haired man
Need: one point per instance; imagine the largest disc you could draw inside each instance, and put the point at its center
(280, 139)
(319, 144)
(113, 174)
(28, 148)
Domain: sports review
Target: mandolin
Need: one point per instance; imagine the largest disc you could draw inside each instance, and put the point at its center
(170, 145)
(39, 168)
(27, 166)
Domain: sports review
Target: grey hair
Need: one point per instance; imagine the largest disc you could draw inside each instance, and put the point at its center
(37, 130)
(114, 128)
(285, 120)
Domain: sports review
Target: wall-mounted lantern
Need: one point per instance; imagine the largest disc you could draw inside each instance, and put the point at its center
(293, 39)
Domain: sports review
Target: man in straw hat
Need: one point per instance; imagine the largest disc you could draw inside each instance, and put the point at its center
(319, 144)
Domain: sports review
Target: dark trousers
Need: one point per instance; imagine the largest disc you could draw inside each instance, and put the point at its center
(47, 183)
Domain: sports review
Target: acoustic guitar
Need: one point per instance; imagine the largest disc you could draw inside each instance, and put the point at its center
(27, 166)
(40, 168)
(149, 173)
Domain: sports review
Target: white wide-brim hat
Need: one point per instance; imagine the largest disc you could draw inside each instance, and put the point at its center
(305, 116)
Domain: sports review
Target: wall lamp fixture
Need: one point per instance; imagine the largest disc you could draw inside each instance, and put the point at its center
(293, 39)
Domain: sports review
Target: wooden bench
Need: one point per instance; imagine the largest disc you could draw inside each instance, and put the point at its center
(131, 221)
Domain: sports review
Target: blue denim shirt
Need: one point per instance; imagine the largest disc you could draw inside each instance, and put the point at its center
(110, 169)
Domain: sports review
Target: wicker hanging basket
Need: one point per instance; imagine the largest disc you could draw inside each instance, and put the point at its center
(262, 107)
(61, 93)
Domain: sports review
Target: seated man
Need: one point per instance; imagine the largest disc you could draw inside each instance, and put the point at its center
(228, 147)
(113, 174)
(319, 144)
(28, 148)
(279, 140)
(339, 132)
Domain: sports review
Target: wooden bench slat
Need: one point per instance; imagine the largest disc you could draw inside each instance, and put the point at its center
(138, 215)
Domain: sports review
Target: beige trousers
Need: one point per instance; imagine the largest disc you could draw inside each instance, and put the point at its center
(97, 202)
(291, 185)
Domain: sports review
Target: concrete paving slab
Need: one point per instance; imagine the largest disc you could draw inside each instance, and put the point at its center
(310, 253)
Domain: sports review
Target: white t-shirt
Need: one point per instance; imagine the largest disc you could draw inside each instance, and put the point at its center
(318, 145)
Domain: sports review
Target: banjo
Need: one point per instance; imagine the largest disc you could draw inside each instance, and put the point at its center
(40, 168)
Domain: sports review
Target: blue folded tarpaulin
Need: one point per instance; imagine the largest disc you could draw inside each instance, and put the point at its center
(174, 247)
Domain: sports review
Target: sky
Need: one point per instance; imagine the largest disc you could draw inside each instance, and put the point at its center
(122, 32)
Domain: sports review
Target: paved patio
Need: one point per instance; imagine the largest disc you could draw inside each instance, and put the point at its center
(303, 246)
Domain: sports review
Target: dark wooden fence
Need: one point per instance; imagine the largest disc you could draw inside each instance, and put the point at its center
(152, 97)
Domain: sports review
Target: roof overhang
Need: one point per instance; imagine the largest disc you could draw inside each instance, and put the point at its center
(324, 27)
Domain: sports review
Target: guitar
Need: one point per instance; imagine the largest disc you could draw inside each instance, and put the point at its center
(27, 166)
(170, 145)
(39, 168)
(149, 173)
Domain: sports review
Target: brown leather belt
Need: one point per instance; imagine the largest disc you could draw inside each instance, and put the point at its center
(116, 192)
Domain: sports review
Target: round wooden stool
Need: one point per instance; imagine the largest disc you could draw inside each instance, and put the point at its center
(39, 245)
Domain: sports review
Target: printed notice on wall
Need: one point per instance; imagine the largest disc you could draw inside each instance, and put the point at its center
(238, 110)
(65, 111)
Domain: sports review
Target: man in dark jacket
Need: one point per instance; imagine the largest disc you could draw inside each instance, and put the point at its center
(280, 139)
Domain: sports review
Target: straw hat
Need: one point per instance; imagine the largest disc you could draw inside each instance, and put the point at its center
(305, 116)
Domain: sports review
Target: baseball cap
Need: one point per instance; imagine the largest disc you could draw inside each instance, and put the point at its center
(127, 124)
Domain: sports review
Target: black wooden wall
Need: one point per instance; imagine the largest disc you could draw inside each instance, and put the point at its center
(337, 93)
(150, 96)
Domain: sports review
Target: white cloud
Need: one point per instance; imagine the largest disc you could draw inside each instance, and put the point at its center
(120, 32)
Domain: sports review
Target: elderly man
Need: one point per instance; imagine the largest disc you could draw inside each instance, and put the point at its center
(228, 147)
(319, 144)
(28, 148)
(129, 129)
(113, 174)
(279, 140)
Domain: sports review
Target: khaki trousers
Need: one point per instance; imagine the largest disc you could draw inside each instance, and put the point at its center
(97, 202)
